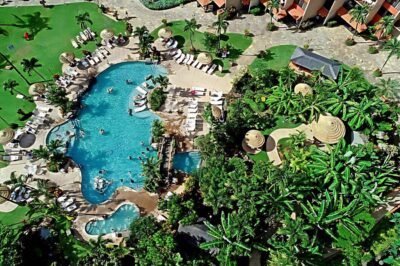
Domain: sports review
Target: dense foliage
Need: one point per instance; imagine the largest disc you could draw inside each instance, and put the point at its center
(162, 4)
(157, 98)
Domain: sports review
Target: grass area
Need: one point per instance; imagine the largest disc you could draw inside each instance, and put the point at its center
(238, 42)
(276, 58)
(280, 123)
(51, 30)
(262, 156)
(15, 216)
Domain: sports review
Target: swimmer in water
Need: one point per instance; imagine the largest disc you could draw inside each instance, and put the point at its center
(142, 143)
(129, 157)
(82, 133)
(101, 131)
(110, 90)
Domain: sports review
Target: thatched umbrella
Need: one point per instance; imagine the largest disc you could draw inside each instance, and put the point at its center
(328, 129)
(204, 58)
(254, 139)
(4, 193)
(6, 135)
(216, 112)
(67, 57)
(303, 89)
(106, 34)
(37, 88)
(165, 33)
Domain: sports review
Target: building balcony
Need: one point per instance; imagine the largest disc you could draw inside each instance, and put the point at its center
(346, 16)
(296, 11)
(392, 9)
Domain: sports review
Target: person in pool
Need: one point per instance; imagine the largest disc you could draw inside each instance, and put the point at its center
(110, 90)
(101, 131)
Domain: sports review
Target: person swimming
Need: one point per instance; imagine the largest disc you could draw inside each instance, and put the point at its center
(110, 90)
(128, 81)
(81, 132)
(130, 157)
(101, 131)
(130, 111)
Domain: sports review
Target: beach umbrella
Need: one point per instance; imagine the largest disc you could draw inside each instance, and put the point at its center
(254, 139)
(216, 112)
(107, 34)
(4, 193)
(6, 135)
(37, 88)
(204, 58)
(67, 57)
(165, 33)
(328, 129)
(303, 89)
(26, 140)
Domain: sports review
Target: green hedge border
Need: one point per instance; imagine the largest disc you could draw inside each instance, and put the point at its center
(163, 4)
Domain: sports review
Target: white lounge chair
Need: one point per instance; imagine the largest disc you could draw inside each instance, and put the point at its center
(62, 198)
(216, 94)
(141, 90)
(205, 68)
(190, 60)
(11, 158)
(219, 102)
(169, 43)
(96, 59)
(180, 59)
(109, 45)
(178, 54)
(199, 66)
(83, 36)
(211, 70)
(140, 109)
(192, 110)
(71, 208)
(68, 202)
(188, 56)
(91, 61)
(195, 88)
(74, 44)
(91, 32)
(174, 46)
(79, 39)
(100, 54)
(105, 50)
(195, 62)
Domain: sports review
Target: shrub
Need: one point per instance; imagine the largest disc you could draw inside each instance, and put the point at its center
(157, 129)
(13, 125)
(377, 73)
(350, 42)
(210, 41)
(157, 99)
(256, 11)
(372, 50)
(164, 21)
(271, 26)
(162, 4)
(247, 33)
(331, 23)
(306, 46)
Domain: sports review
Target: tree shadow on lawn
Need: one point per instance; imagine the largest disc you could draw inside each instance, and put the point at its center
(180, 39)
(33, 22)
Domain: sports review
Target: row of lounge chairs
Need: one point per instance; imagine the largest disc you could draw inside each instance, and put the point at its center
(67, 203)
(83, 37)
(191, 118)
(94, 58)
(189, 59)
(141, 98)
(171, 44)
(21, 194)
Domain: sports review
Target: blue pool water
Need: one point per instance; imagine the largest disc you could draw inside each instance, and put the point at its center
(123, 133)
(187, 161)
(119, 221)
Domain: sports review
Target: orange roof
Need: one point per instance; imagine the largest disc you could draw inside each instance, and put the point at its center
(204, 2)
(295, 11)
(342, 12)
(390, 8)
(323, 12)
(279, 14)
(219, 3)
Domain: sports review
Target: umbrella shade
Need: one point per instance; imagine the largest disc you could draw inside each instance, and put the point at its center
(254, 139)
(303, 89)
(204, 58)
(37, 88)
(4, 193)
(66, 58)
(106, 34)
(26, 140)
(216, 112)
(165, 33)
(328, 129)
(6, 135)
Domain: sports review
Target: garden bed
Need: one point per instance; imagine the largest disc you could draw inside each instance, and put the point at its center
(162, 4)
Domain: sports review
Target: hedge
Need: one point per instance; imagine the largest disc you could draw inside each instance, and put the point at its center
(162, 4)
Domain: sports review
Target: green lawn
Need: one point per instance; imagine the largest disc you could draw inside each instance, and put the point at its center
(53, 29)
(262, 156)
(280, 123)
(15, 216)
(238, 42)
(277, 58)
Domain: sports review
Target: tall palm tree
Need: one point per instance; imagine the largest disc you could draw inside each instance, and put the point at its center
(54, 145)
(13, 67)
(30, 65)
(221, 25)
(15, 181)
(151, 171)
(191, 26)
(42, 189)
(41, 153)
(393, 46)
(83, 19)
(140, 32)
(359, 15)
(385, 26)
(9, 85)
(162, 81)
(271, 5)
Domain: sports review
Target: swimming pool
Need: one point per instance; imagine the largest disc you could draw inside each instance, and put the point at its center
(119, 221)
(187, 161)
(124, 134)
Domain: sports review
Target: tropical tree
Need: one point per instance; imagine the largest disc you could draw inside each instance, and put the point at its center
(42, 189)
(191, 26)
(30, 65)
(83, 19)
(230, 237)
(16, 181)
(385, 26)
(272, 5)
(157, 129)
(359, 15)
(221, 25)
(162, 81)
(9, 85)
(389, 88)
(54, 145)
(360, 113)
(41, 153)
(9, 246)
(152, 172)
(58, 97)
(140, 32)
(393, 47)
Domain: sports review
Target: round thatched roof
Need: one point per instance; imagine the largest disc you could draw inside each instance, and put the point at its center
(254, 139)
(204, 58)
(106, 34)
(4, 193)
(66, 58)
(303, 88)
(216, 112)
(165, 33)
(328, 129)
(6, 135)
(37, 88)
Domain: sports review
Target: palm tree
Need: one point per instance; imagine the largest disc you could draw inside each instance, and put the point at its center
(271, 5)
(162, 81)
(41, 153)
(140, 32)
(54, 145)
(42, 189)
(16, 69)
(151, 171)
(83, 19)
(359, 15)
(9, 85)
(389, 88)
(191, 26)
(393, 46)
(221, 25)
(30, 65)
(385, 26)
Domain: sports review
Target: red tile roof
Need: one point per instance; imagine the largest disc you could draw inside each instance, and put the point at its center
(204, 2)
(295, 11)
(219, 3)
